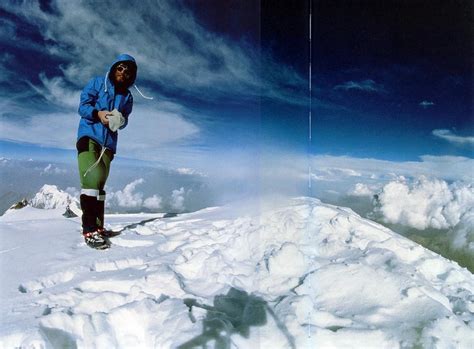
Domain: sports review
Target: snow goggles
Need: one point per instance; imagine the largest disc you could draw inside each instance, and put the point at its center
(124, 68)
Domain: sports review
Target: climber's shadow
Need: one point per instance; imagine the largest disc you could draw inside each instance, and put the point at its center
(232, 313)
(134, 225)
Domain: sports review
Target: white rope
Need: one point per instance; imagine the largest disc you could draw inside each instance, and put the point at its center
(105, 81)
(140, 92)
(94, 165)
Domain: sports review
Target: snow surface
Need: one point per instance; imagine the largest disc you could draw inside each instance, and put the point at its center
(300, 274)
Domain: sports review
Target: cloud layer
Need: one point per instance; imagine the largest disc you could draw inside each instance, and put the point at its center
(343, 168)
(177, 199)
(132, 198)
(154, 130)
(128, 197)
(430, 203)
(172, 49)
(426, 104)
(449, 136)
(426, 203)
(364, 85)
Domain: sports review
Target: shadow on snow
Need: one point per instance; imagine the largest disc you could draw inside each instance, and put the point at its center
(233, 313)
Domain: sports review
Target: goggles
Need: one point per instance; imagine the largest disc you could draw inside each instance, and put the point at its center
(124, 68)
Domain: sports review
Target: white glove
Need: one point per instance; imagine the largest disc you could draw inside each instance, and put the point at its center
(116, 120)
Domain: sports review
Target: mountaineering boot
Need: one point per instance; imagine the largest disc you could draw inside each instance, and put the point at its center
(105, 233)
(89, 223)
(95, 240)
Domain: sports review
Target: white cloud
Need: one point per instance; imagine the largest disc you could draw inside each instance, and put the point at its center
(365, 85)
(449, 136)
(56, 91)
(248, 173)
(425, 203)
(56, 130)
(177, 199)
(73, 191)
(51, 169)
(361, 189)
(171, 47)
(444, 167)
(371, 173)
(334, 173)
(153, 202)
(463, 232)
(426, 104)
(128, 197)
(189, 172)
(150, 128)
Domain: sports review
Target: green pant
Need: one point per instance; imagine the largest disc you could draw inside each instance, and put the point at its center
(88, 154)
(93, 175)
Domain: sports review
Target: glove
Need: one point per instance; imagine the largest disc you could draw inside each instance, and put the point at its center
(116, 120)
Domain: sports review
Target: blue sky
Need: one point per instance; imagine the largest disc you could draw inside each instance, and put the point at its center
(402, 70)
(390, 80)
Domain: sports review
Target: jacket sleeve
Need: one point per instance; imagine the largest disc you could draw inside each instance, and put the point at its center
(89, 96)
(127, 109)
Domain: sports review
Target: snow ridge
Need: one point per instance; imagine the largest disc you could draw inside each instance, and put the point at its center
(305, 274)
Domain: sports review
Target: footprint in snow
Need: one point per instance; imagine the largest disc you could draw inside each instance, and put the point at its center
(120, 264)
(131, 243)
(46, 282)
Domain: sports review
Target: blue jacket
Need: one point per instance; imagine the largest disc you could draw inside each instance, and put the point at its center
(99, 94)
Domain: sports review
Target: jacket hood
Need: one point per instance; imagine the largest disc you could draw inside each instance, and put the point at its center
(125, 58)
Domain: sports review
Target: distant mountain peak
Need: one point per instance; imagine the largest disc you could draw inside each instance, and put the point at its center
(50, 197)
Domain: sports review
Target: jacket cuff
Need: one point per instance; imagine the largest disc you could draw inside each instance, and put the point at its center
(95, 114)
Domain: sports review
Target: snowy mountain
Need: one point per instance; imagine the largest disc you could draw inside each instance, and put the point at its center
(301, 274)
(50, 197)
